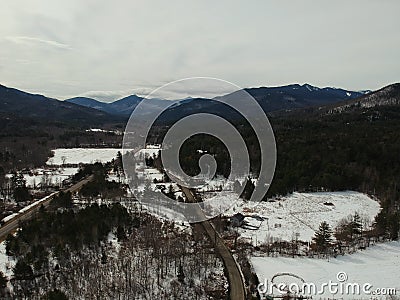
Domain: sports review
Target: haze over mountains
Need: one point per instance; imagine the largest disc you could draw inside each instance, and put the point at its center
(123, 106)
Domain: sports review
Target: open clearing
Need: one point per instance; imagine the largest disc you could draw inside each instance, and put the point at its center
(302, 213)
(82, 155)
(378, 265)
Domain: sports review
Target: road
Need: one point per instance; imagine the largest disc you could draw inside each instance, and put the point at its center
(236, 285)
(13, 224)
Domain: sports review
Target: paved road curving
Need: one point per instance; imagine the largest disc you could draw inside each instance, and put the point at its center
(236, 285)
(13, 224)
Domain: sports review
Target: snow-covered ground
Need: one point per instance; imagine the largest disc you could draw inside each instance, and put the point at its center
(148, 175)
(378, 265)
(302, 213)
(117, 132)
(149, 151)
(51, 177)
(7, 263)
(295, 216)
(82, 155)
(25, 208)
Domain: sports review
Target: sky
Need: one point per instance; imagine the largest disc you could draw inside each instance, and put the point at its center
(110, 49)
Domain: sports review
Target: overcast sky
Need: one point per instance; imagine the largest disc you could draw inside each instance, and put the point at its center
(108, 49)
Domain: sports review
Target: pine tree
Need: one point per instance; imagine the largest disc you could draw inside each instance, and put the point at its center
(181, 274)
(22, 270)
(20, 191)
(3, 281)
(171, 193)
(18, 180)
(21, 194)
(323, 237)
(119, 159)
(356, 226)
(248, 189)
(118, 166)
(121, 235)
(55, 295)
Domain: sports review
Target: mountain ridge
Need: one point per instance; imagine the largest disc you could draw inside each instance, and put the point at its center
(271, 99)
(17, 103)
(386, 96)
(289, 98)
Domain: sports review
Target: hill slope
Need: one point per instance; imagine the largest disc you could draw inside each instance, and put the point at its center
(386, 96)
(18, 104)
(91, 103)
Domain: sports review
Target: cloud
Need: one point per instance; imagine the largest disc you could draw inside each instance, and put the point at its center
(201, 87)
(110, 96)
(195, 87)
(35, 40)
(104, 96)
(144, 44)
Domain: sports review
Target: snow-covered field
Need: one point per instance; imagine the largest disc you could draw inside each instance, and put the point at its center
(82, 155)
(302, 213)
(117, 132)
(379, 266)
(49, 177)
(149, 151)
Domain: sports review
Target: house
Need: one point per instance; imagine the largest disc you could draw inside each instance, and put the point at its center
(237, 220)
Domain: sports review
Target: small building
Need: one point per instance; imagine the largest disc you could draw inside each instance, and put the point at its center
(237, 220)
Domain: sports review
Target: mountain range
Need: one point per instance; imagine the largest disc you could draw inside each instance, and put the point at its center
(18, 104)
(123, 106)
(271, 99)
(87, 111)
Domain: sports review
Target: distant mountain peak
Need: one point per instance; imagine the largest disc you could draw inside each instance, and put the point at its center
(364, 92)
(310, 87)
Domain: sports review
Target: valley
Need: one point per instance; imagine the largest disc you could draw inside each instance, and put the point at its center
(308, 189)
(205, 150)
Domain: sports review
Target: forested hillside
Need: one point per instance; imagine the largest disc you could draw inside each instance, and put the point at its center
(355, 150)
